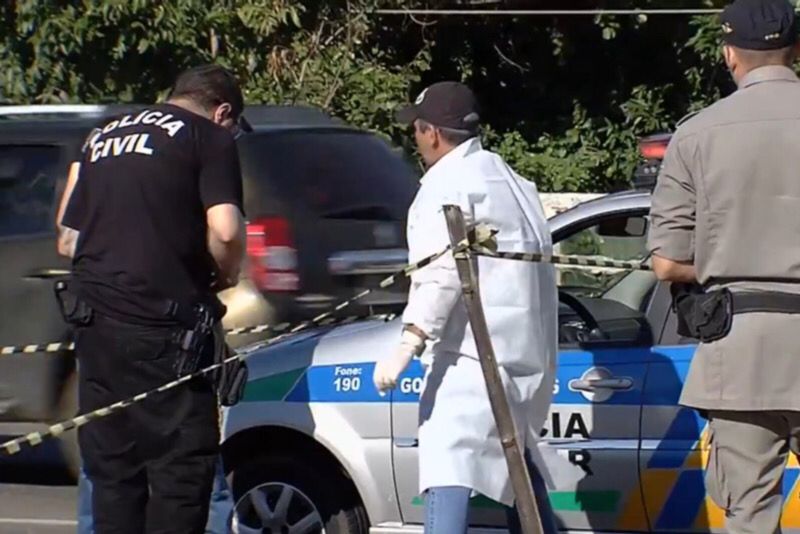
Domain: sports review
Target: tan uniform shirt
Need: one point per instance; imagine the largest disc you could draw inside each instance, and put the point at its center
(728, 199)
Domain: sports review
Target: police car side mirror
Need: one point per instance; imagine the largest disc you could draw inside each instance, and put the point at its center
(623, 227)
(636, 226)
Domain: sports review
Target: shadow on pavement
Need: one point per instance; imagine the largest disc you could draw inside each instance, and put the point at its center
(40, 465)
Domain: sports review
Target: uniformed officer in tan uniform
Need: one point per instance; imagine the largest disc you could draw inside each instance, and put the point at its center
(726, 215)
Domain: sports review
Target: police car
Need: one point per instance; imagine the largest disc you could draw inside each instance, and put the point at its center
(312, 447)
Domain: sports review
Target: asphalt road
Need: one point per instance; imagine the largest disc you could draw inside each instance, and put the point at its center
(36, 493)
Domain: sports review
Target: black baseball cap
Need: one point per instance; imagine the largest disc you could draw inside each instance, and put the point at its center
(759, 24)
(446, 105)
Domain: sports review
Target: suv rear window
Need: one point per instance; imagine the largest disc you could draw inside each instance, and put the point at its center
(27, 188)
(337, 174)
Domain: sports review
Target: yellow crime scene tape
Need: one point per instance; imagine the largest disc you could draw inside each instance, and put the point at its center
(33, 349)
(14, 446)
(475, 239)
(574, 261)
(33, 439)
(555, 259)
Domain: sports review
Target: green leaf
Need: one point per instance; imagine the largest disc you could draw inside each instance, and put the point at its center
(295, 16)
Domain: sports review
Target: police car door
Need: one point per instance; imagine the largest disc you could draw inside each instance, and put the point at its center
(675, 443)
(591, 439)
(592, 433)
(673, 449)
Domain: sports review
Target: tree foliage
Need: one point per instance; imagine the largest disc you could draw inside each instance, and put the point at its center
(317, 53)
(570, 96)
(565, 98)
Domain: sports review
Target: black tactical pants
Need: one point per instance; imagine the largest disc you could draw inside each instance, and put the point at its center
(151, 464)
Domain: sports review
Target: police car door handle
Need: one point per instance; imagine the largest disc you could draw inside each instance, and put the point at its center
(47, 273)
(592, 384)
(406, 443)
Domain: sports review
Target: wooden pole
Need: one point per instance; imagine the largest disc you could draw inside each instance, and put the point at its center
(467, 267)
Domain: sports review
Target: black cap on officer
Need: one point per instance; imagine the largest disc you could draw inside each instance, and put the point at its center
(759, 24)
(449, 105)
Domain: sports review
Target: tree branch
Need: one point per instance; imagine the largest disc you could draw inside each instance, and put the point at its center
(213, 42)
(311, 51)
(421, 22)
(508, 60)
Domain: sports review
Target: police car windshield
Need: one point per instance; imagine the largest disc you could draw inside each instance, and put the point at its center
(620, 237)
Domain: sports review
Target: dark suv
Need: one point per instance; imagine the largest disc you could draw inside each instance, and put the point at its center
(325, 205)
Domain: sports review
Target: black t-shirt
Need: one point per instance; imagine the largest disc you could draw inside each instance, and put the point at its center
(145, 183)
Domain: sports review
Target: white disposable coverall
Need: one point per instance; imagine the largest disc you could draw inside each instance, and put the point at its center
(459, 444)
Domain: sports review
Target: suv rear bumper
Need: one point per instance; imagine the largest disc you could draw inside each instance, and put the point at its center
(247, 306)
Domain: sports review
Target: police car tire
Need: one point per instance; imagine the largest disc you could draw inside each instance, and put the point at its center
(342, 511)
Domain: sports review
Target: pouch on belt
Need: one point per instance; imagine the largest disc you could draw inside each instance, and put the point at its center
(708, 315)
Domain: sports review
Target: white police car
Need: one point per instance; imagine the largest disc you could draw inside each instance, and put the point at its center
(313, 448)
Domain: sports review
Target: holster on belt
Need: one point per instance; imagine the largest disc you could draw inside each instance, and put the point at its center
(230, 379)
(74, 310)
(204, 345)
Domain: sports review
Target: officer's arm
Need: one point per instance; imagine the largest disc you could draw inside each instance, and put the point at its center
(673, 271)
(67, 237)
(67, 232)
(226, 242)
(220, 183)
(673, 214)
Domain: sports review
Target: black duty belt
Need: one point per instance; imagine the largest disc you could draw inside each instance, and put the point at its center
(765, 302)
(708, 315)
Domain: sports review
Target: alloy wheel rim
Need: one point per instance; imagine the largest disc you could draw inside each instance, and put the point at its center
(276, 508)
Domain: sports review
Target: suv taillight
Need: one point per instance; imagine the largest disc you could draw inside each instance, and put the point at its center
(652, 149)
(654, 146)
(273, 258)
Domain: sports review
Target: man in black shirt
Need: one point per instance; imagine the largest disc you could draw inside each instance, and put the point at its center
(154, 225)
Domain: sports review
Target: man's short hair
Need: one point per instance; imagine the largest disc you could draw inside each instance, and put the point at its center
(209, 86)
(761, 58)
(451, 136)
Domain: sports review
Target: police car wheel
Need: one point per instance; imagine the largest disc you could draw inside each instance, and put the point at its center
(280, 494)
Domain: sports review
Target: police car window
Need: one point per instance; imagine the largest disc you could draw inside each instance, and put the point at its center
(621, 237)
(339, 174)
(27, 188)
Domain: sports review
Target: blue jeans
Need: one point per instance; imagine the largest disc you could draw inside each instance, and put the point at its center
(221, 506)
(85, 522)
(219, 511)
(447, 508)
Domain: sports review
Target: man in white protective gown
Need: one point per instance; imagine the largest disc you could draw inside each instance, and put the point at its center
(460, 453)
